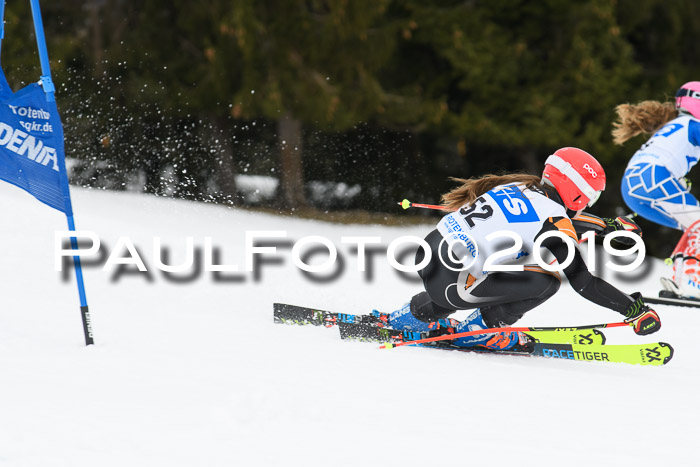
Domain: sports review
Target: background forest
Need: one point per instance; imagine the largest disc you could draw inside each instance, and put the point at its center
(348, 105)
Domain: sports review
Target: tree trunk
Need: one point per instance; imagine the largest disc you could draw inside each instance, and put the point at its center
(291, 185)
(529, 161)
(97, 43)
(226, 168)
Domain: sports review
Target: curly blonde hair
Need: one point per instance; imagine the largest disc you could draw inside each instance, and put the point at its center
(472, 188)
(643, 118)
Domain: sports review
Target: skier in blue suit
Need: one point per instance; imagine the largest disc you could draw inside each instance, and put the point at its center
(654, 184)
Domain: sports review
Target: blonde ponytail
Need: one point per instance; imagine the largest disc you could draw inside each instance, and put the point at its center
(474, 187)
(645, 117)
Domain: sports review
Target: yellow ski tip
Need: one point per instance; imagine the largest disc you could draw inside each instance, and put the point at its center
(405, 204)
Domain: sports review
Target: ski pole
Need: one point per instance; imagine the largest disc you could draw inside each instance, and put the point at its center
(446, 337)
(407, 204)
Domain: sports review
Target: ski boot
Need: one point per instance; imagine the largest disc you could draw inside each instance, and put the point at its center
(670, 288)
(514, 341)
(685, 259)
(690, 290)
(403, 319)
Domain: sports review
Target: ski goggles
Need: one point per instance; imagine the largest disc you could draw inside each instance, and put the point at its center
(595, 198)
(683, 92)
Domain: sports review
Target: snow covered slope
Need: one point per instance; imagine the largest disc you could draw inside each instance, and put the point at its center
(195, 373)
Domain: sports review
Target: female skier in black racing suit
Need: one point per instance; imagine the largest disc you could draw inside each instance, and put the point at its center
(531, 207)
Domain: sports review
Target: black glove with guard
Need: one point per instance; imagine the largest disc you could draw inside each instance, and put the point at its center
(621, 223)
(643, 319)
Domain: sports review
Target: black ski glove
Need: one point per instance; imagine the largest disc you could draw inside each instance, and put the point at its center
(643, 319)
(621, 223)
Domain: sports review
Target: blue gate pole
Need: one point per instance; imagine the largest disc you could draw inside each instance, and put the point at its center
(46, 81)
(2, 22)
(84, 310)
(49, 89)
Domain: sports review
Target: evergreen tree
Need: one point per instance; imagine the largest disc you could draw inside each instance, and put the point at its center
(309, 64)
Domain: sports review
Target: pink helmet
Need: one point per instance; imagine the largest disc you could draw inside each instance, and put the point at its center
(576, 175)
(688, 98)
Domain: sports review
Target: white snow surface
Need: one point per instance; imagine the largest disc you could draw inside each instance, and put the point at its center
(196, 373)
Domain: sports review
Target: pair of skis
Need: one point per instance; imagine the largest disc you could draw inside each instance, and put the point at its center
(669, 298)
(670, 295)
(574, 343)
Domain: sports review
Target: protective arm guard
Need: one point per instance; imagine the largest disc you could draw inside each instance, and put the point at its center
(585, 222)
(602, 226)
